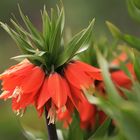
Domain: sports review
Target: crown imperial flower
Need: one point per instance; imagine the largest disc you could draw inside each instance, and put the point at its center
(48, 75)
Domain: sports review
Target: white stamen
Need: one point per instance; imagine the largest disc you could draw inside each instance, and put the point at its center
(51, 115)
(17, 112)
(3, 94)
(17, 93)
(63, 109)
(20, 112)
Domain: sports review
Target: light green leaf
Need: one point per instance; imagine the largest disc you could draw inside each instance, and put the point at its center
(137, 66)
(114, 30)
(133, 10)
(110, 88)
(133, 41)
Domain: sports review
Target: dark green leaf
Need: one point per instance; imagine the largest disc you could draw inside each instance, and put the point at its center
(30, 57)
(35, 35)
(79, 41)
(23, 45)
(102, 131)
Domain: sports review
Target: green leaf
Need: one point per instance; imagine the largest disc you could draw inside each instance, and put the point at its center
(35, 35)
(92, 99)
(23, 45)
(133, 10)
(114, 30)
(56, 36)
(107, 79)
(79, 41)
(133, 41)
(102, 131)
(46, 27)
(75, 132)
(30, 57)
(137, 66)
(20, 30)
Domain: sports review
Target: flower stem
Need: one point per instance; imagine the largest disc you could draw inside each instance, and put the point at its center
(52, 135)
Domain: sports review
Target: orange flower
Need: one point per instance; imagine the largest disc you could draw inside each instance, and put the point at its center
(59, 91)
(120, 78)
(87, 114)
(21, 83)
(62, 92)
(80, 75)
(121, 58)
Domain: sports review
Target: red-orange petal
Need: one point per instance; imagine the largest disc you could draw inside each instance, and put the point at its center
(87, 114)
(121, 79)
(33, 80)
(20, 68)
(25, 100)
(77, 78)
(121, 58)
(11, 82)
(44, 95)
(57, 87)
(84, 67)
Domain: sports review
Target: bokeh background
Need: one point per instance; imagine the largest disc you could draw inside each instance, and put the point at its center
(78, 15)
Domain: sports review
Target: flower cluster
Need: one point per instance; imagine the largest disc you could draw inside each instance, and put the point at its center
(28, 84)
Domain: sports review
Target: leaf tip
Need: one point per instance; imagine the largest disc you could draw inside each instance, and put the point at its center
(113, 29)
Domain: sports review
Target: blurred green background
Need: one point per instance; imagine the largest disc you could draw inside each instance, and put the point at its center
(78, 15)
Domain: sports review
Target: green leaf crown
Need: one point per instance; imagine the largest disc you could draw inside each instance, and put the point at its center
(47, 48)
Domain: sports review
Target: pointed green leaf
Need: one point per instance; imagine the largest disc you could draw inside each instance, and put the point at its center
(75, 132)
(114, 30)
(56, 36)
(30, 57)
(23, 45)
(79, 41)
(137, 66)
(35, 34)
(102, 131)
(46, 27)
(114, 95)
(131, 40)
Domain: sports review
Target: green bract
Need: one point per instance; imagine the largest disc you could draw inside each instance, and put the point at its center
(47, 48)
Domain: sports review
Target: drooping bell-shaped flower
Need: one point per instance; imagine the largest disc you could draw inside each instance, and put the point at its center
(21, 83)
